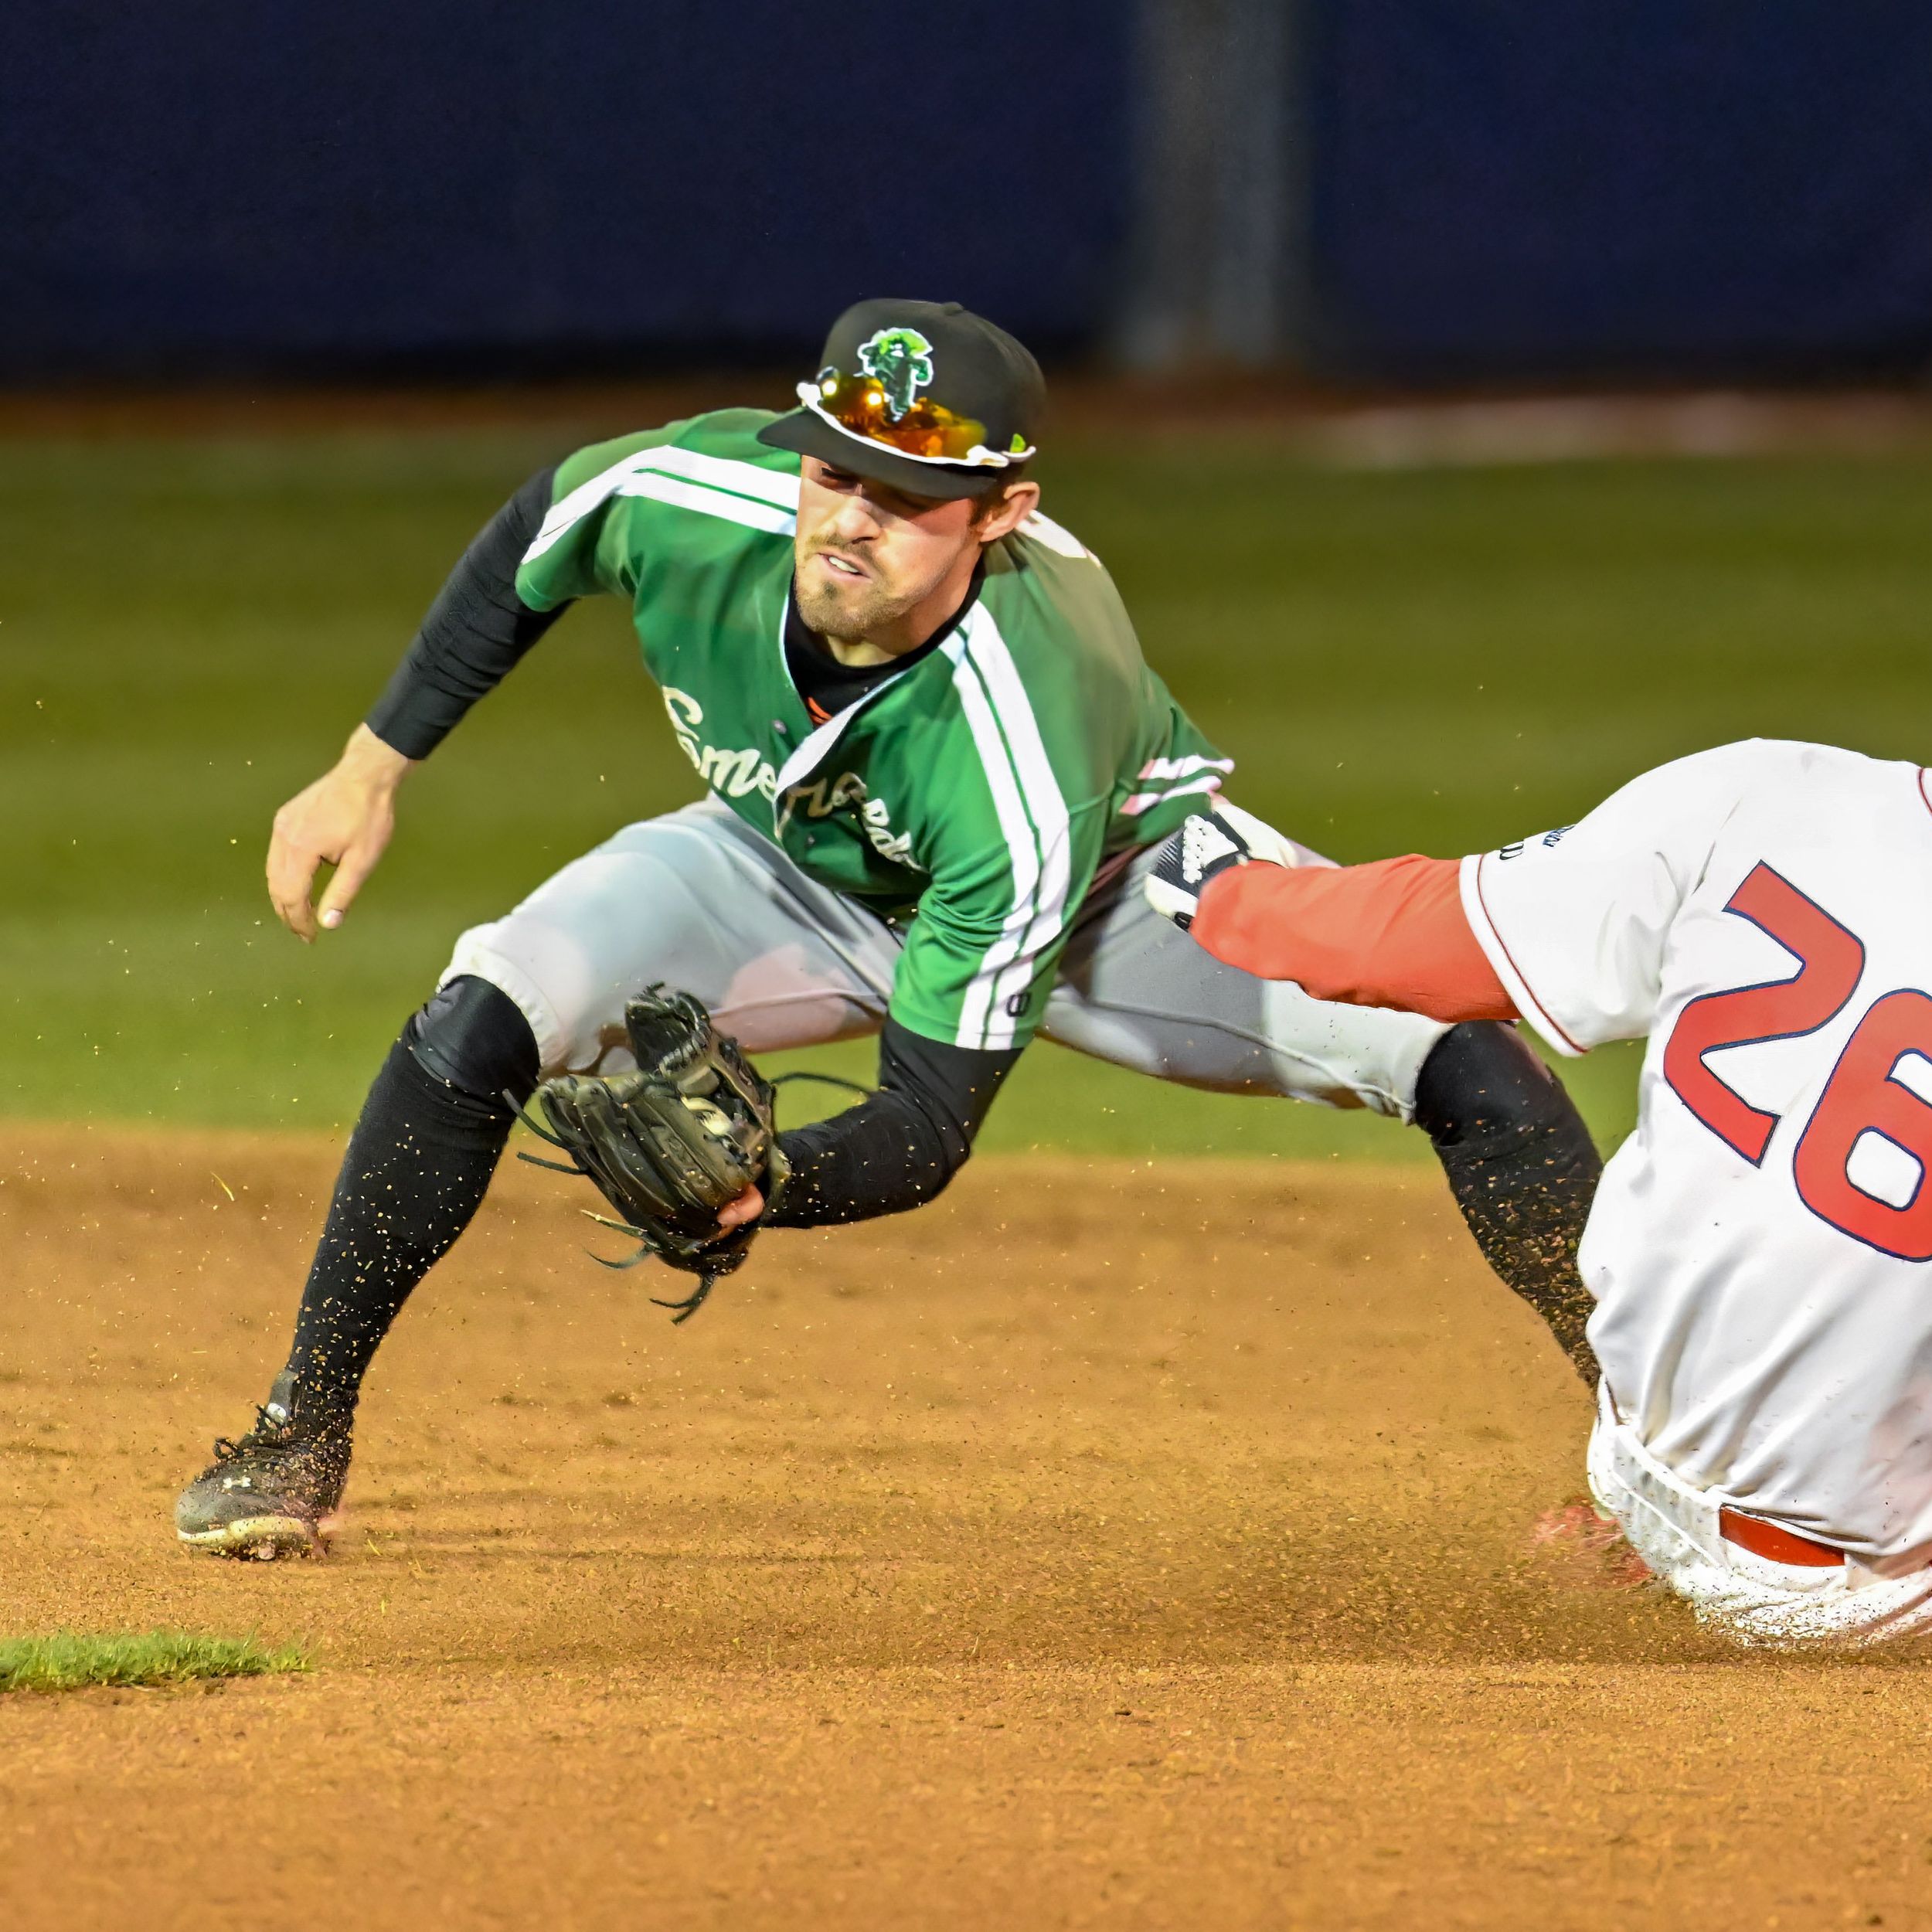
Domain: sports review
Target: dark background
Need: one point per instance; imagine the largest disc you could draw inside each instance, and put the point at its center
(1424, 191)
(1687, 189)
(434, 186)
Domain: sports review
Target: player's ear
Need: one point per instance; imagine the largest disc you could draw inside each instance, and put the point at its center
(1004, 510)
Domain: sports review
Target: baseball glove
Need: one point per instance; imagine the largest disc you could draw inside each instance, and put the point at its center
(672, 1143)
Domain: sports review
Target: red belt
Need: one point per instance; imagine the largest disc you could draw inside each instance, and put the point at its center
(1778, 1545)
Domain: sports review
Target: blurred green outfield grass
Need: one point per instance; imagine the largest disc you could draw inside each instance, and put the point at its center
(1435, 660)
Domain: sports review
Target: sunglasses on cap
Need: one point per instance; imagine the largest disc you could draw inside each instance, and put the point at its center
(926, 431)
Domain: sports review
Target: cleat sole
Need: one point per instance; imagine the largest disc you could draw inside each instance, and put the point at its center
(261, 1539)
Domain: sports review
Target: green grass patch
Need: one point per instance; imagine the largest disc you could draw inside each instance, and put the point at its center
(72, 1660)
(1436, 661)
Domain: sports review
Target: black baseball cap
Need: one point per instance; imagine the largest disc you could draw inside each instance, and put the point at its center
(926, 396)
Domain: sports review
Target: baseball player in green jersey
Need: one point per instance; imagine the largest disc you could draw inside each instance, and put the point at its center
(934, 766)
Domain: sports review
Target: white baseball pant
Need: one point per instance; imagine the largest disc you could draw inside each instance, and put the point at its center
(1752, 1599)
(700, 901)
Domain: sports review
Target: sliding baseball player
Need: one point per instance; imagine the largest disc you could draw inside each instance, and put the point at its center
(1761, 916)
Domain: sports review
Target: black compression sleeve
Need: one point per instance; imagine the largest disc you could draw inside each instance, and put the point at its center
(1523, 1167)
(475, 632)
(898, 1148)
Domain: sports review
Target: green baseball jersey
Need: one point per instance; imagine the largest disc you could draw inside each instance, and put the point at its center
(975, 794)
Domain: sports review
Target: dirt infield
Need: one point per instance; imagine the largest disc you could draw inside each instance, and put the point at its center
(1103, 1546)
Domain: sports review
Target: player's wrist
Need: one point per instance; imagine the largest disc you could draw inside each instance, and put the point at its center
(369, 761)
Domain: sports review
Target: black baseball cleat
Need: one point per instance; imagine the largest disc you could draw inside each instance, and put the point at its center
(1185, 864)
(276, 1491)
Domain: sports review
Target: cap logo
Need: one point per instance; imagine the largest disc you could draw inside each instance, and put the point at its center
(900, 361)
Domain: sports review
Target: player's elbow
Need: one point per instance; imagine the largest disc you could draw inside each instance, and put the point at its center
(1483, 1088)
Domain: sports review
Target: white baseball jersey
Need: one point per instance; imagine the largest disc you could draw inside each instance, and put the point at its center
(1759, 1248)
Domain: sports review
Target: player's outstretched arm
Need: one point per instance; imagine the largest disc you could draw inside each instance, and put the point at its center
(344, 819)
(473, 637)
(1392, 933)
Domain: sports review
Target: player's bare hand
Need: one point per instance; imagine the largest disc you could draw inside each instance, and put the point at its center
(344, 819)
(748, 1206)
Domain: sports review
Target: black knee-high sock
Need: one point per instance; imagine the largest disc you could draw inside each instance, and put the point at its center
(1522, 1165)
(418, 1165)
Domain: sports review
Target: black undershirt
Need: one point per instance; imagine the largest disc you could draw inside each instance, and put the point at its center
(829, 687)
(899, 1147)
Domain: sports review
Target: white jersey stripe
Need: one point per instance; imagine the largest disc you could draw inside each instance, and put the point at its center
(579, 503)
(741, 492)
(1046, 806)
(779, 487)
(980, 1023)
(695, 496)
(1145, 801)
(1156, 769)
(1043, 529)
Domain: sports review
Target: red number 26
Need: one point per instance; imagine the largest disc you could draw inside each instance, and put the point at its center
(1863, 1095)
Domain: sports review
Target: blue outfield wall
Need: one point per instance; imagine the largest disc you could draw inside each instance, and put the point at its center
(1487, 187)
(1688, 188)
(199, 187)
